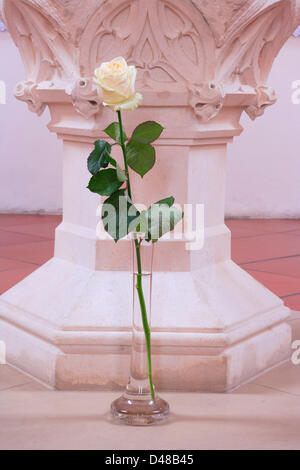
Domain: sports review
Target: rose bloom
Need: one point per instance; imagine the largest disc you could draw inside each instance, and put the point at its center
(117, 81)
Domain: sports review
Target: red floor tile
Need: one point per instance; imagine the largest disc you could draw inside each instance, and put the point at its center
(7, 264)
(293, 302)
(253, 227)
(9, 278)
(29, 239)
(12, 238)
(245, 250)
(37, 253)
(285, 266)
(44, 230)
(280, 285)
(7, 220)
(296, 232)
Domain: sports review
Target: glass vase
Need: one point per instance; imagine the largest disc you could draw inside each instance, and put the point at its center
(139, 404)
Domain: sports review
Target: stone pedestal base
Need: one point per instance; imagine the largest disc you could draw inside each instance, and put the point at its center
(49, 323)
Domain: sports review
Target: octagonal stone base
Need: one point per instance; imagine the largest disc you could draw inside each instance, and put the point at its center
(67, 326)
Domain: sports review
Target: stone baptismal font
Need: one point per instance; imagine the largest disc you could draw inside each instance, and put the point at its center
(201, 64)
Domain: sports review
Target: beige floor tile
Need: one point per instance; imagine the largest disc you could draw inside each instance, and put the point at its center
(285, 378)
(10, 377)
(252, 418)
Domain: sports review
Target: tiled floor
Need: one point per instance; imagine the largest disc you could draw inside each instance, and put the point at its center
(268, 249)
(262, 415)
(26, 242)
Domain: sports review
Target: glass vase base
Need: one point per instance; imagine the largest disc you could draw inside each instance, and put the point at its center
(136, 411)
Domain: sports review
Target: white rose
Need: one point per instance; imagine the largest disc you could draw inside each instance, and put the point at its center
(117, 82)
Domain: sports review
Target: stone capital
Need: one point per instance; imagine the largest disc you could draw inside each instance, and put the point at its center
(197, 53)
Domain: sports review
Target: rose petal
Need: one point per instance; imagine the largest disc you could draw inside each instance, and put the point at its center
(131, 104)
(117, 83)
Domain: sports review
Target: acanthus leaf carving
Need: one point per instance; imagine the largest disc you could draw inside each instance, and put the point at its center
(265, 96)
(206, 99)
(85, 97)
(27, 92)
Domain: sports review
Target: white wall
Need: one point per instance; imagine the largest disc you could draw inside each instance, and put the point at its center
(30, 157)
(263, 163)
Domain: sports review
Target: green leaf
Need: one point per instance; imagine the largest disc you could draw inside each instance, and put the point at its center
(140, 157)
(143, 223)
(168, 200)
(113, 130)
(105, 182)
(120, 174)
(99, 158)
(147, 132)
(113, 162)
(119, 215)
(161, 219)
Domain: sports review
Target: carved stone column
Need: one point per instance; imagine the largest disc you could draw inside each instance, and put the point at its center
(201, 64)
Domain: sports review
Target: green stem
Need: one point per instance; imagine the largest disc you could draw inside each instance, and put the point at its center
(146, 327)
(139, 285)
(124, 154)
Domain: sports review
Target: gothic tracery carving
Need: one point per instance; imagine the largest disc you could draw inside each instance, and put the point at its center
(177, 45)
